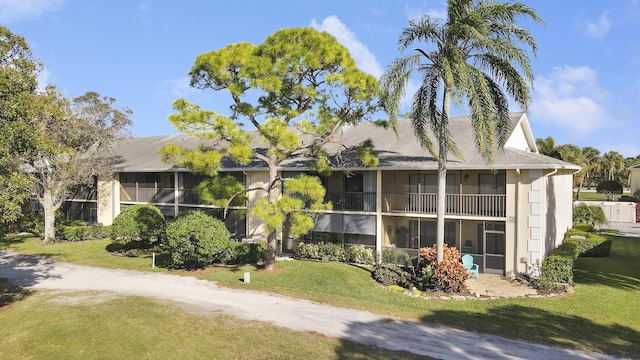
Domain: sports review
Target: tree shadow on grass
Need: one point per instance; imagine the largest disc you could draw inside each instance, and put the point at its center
(9, 242)
(10, 294)
(619, 270)
(541, 326)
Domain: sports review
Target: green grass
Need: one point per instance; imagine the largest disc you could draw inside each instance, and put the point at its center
(92, 253)
(601, 316)
(594, 196)
(90, 326)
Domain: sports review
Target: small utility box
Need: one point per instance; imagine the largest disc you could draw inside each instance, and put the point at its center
(247, 277)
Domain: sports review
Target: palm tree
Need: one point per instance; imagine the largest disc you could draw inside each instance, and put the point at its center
(573, 154)
(476, 57)
(613, 163)
(547, 146)
(592, 163)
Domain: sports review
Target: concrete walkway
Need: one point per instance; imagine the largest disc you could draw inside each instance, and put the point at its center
(301, 315)
(625, 228)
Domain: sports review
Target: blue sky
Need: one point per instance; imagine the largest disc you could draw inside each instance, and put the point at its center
(586, 92)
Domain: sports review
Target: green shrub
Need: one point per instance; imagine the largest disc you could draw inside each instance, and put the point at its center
(589, 214)
(196, 240)
(245, 253)
(626, 198)
(587, 228)
(447, 275)
(80, 233)
(390, 256)
(392, 274)
(557, 268)
(568, 249)
(555, 271)
(334, 252)
(359, 254)
(306, 251)
(331, 252)
(137, 226)
(592, 245)
(610, 188)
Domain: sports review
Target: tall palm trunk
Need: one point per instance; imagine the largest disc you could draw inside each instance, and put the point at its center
(443, 143)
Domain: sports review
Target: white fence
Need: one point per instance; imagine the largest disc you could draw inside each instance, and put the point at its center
(615, 211)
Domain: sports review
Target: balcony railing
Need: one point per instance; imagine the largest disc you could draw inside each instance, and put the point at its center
(352, 201)
(147, 195)
(493, 205)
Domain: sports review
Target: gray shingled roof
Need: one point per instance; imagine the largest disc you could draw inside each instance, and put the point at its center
(402, 152)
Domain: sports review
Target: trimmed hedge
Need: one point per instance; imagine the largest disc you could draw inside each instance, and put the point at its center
(557, 268)
(322, 251)
(83, 232)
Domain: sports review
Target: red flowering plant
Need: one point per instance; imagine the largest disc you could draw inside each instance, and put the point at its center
(447, 275)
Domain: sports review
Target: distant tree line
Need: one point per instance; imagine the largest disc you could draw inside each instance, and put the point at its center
(596, 167)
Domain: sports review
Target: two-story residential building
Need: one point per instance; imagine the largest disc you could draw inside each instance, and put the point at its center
(507, 214)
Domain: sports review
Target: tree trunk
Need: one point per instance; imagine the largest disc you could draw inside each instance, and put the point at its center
(443, 143)
(49, 217)
(273, 193)
(440, 210)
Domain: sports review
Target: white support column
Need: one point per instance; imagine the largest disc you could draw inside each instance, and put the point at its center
(379, 227)
(176, 193)
(534, 219)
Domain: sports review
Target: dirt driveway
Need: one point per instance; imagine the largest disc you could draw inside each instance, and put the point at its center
(300, 315)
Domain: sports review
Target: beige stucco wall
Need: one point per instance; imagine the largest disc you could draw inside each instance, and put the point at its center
(531, 203)
(105, 201)
(544, 213)
(255, 227)
(560, 209)
(512, 245)
(634, 180)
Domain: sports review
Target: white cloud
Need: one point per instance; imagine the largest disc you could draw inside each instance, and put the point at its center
(571, 98)
(364, 58)
(180, 88)
(599, 28)
(12, 11)
(416, 13)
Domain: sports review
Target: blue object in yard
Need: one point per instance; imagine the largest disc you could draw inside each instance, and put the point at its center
(467, 262)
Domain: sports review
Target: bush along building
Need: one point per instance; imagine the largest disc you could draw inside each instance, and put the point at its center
(507, 214)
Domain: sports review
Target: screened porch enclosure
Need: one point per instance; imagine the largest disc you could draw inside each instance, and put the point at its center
(346, 229)
(484, 240)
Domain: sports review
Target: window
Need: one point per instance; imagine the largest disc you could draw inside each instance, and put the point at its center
(491, 184)
(427, 231)
(428, 183)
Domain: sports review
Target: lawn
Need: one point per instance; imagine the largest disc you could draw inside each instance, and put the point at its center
(594, 196)
(51, 325)
(601, 316)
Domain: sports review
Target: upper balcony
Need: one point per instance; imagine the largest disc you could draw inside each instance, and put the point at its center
(485, 205)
